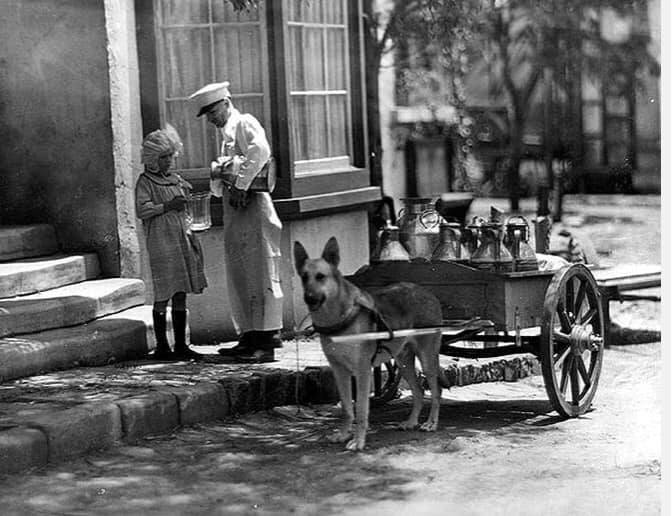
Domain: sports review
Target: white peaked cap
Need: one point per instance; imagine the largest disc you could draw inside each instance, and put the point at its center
(209, 94)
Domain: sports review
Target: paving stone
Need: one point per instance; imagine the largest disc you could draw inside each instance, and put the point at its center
(21, 449)
(148, 414)
(79, 430)
(201, 402)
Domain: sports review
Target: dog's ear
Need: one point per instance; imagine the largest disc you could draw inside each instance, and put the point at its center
(300, 256)
(331, 254)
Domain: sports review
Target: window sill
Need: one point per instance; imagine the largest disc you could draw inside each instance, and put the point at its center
(323, 204)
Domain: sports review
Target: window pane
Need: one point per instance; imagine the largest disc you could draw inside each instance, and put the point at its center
(223, 12)
(305, 11)
(309, 127)
(334, 12)
(198, 138)
(186, 60)
(238, 58)
(338, 126)
(181, 12)
(336, 61)
(307, 58)
(593, 149)
(617, 105)
(592, 119)
(251, 105)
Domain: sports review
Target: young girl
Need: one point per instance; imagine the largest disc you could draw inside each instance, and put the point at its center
(175, 255)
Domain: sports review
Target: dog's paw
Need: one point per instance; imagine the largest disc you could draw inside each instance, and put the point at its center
(339, 436)
(356, 444)
(409, 424)
(429, 426)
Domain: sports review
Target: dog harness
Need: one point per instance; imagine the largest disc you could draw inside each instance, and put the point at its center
(366, 303)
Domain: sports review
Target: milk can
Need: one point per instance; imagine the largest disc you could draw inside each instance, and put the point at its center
(198, 211)
(516, 240)
(492, 255)
(419, 227)
(391, 249)
(470, 236)
(450, 248)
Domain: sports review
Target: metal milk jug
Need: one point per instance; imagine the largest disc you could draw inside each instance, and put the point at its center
(391, 249)
(419, 227)
(492, 255)
(470, 236)
(450, 248)
(516, 239)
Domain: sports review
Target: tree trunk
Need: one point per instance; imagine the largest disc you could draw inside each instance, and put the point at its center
(373, 57)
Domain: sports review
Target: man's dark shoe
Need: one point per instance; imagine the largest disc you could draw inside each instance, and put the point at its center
(244, 346)
(259, 356)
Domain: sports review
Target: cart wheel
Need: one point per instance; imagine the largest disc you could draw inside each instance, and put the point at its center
(572, 340)
(386, 379)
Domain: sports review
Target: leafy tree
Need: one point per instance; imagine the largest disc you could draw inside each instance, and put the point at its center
(526, 42)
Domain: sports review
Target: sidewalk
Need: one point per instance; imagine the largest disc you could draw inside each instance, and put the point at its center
(57, 416)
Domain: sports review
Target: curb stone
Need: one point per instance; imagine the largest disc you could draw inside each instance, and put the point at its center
(51, 438)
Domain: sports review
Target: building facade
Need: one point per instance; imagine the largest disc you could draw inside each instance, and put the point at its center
(84, 80)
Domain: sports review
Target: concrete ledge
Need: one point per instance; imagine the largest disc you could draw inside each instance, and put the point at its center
(100, 342)
(201, 402)
(69, 305)
(150, 414)
(22, 449)
(17, 242)
(56, 434)
(28, 276)
(79, 430)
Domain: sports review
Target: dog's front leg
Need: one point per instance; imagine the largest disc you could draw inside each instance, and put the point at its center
(344, 385)
(363, 380)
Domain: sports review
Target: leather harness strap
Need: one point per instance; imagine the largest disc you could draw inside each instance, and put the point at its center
(361, 302)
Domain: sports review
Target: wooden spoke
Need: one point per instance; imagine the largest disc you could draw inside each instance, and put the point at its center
(561, 338)
(565, 322)
(574, 380)
(580, 297)
(566, 367)
(582, 371)
(569, 299)
(588, 316)
(561, 359)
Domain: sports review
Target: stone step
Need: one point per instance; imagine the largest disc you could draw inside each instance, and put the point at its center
(126, 335)
(69, 305)
(32, 275)
(18, 242)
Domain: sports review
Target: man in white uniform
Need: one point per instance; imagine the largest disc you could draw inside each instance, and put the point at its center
(251, 227)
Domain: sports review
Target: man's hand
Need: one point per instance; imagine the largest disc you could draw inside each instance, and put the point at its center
(238, 198)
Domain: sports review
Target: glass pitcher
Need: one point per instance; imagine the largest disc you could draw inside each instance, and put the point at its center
(198, 211)
(419, 227)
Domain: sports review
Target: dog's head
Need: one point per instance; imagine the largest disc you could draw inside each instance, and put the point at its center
(320, 276)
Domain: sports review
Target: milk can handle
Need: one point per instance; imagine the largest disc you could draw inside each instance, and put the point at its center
(426, 213)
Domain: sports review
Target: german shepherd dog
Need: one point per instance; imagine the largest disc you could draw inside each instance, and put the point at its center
(338, 307)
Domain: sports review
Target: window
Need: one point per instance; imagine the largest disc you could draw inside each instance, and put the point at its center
(199, 42)
(296, 65)
(319, 80)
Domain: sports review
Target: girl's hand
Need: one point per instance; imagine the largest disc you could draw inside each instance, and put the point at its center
(177, 203)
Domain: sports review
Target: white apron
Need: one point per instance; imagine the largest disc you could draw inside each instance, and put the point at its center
(251, 234)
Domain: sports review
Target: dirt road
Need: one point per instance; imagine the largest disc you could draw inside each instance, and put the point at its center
(500, 450)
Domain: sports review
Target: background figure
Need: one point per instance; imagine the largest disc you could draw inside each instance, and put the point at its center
(251, 227)
(175, 255)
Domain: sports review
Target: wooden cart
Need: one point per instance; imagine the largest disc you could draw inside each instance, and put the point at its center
(558, 316)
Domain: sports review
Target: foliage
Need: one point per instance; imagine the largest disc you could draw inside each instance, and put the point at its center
(523, 42)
